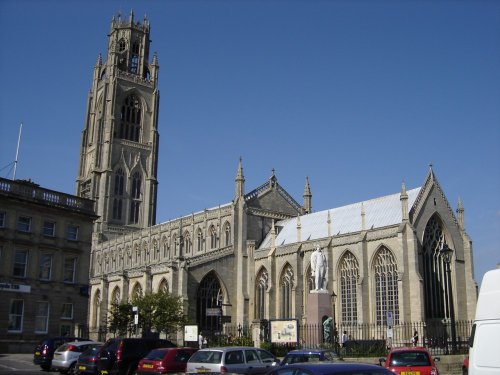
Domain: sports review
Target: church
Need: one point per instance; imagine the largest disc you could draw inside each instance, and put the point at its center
(250, 256)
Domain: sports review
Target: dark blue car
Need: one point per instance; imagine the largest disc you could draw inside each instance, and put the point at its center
(326, 368)
(310, 355)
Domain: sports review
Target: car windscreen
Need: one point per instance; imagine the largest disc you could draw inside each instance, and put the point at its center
(410, 358)
(92, 351)
(206, 356)
(301, 358)
(155, 355)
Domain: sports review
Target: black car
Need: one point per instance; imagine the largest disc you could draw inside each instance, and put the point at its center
(120, 356)
(44, 351)
(87, 361)
(310, 355)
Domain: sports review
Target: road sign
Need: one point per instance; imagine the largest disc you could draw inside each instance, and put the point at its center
(214, 311)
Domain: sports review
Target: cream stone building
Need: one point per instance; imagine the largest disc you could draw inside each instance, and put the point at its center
(250, 256)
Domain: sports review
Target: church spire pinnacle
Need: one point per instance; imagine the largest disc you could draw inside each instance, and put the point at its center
(460, 214)
(307, 197)
(403, 197)
(240, 181)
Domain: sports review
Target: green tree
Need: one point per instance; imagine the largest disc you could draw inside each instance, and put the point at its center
(121, 319)
(161, 312)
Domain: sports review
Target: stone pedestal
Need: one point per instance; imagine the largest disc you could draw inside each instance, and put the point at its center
(319, 305)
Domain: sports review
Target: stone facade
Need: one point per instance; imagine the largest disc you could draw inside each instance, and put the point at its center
(45, 241)
(250, 257)
(118, 159)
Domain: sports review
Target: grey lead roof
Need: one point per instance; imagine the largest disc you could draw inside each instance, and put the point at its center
(379, 212)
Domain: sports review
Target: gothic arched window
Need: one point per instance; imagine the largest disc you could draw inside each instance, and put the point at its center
(174, 243)
(119, 182)
(213, 237)
(349, 275)
(199, 241)
(433, 270)
(227, 234)
(118, 190)
(385, 273)
(260, 293)
(134, 59)
(286, 286)
(115, 296)
(187, 243)
(130, 119)
(209, 296)
(135, 202)
(166, 248)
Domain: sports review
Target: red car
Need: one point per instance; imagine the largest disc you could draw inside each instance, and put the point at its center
(465, 366)
(412, 360)
(164, 360)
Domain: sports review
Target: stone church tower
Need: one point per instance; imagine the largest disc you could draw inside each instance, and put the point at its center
(119, 151)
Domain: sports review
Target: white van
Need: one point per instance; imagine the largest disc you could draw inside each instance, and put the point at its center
(484, 354)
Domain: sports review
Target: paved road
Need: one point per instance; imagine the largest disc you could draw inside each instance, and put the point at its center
(20, 364)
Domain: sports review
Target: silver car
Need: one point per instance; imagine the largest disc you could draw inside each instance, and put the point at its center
(234, 359)
(67, 354)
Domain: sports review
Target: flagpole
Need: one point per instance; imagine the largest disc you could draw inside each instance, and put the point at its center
(17, 151)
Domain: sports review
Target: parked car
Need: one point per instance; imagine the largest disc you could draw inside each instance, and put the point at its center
(465, 366)
(87, 361)
(409, 360)
(327, 368)
(164, 360)
(66, 355)
(120, 356)
(234, 359)
(44, 351)
(310, 355)
(483, 349)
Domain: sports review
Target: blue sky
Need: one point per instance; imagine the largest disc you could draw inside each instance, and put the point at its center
(357, 95)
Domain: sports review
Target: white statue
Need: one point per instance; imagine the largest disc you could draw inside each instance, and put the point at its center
(319, 268)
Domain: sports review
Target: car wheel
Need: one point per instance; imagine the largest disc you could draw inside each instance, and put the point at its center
(45, 367)
(72, 369)
(131, 370)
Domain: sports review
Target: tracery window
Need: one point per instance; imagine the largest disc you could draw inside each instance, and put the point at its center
(434, 270)
(135, 202)
(122, 45)
(166, 248)
(130, 119)
(286, 286)
(134, 60)
(385, 273)
(213, 237)
(349, 275)
(187, 243)
(118, 190)
(227, 234)
(199, 240)
(174, 243)
(260, 293)
(209, 296)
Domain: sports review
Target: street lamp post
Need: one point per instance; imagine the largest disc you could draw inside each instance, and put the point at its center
(335, 330)
(446, 254)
